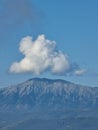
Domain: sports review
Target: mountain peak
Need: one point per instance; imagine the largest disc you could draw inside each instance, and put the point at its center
(48, 80)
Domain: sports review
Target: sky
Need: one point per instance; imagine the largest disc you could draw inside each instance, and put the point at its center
(51, 39)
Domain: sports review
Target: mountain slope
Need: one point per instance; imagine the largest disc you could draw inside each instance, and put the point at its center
(64, 124)
(47, 94)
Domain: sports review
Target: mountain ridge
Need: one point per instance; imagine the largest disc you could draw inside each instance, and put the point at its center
(43, 93)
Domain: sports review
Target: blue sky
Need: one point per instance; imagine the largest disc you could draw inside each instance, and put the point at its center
(72, 24)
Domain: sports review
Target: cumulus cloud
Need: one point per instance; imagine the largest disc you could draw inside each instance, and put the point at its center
(41, 55)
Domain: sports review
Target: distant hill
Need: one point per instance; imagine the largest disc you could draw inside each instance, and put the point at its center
(46, 94)
(45, 104)
(63, 124)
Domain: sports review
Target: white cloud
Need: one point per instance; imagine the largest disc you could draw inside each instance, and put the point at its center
(41, 55)
(80, 72)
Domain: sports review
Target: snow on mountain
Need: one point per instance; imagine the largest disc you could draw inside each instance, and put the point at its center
(49, 94)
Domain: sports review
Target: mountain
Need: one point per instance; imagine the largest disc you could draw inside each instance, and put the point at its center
(55, 124)
(39, 94)
(45, 104)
